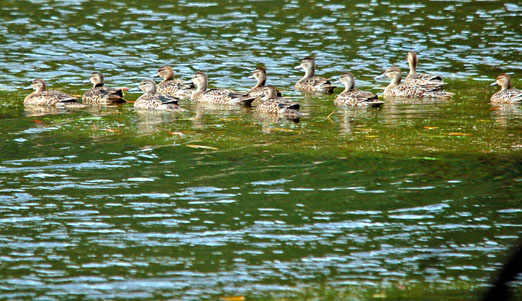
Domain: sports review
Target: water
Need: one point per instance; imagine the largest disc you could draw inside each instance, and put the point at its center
(110, 202)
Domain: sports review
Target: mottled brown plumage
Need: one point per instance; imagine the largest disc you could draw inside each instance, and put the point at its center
(428, 81)
(258, 90)
(273, 104)
(173, 86)
(217, 96)
(396, 89)
(151, 100)
(311, 83)
(353, 97)
(100, 94)
(506, 93)
(43, 97)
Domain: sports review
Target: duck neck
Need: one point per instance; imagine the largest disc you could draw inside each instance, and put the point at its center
(201, 87)
(309, 72)
(261, 81)
(396, 80)
(413, 67)
(151, 90)
(506, 84)
(168, 76)
(349, 85)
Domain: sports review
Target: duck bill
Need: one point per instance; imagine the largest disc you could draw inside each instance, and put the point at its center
(298, 67)
(134, 90)
(494, 84)
(380, 76)
(28, 88)
(153, 75)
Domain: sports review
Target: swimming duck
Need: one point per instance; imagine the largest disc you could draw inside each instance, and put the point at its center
(257, 90)
(506, 93)
(151, 100)
(43, 97)
(415, 78)
(260, 75)
(173, 86)
(396, 89)
(353, 97)
(273, 104)
(100, 94)
(217, 96)
(311, 83)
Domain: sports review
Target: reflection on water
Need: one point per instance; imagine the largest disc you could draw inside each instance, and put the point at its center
(110, 202)
(148, 122)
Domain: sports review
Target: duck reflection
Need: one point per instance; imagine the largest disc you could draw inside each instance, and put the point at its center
(353, 117)
(43, 110)
(150, 121)
(215, 111)
(105, 110)
(505, 114)
(268, 121)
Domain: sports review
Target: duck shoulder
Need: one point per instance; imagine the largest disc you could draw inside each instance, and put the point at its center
(258, 92)
(49, 98)
(222, 96)
(279, 105)
(157, 102)
(420, 77)
(356, 98)
(403, 90)
(175, 87)
(103, 95)
(315, 84)
(427, 84)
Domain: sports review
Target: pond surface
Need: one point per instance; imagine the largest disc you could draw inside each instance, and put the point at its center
(108, 202)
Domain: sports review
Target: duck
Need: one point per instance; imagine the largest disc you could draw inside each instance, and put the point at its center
(429, 80)
(273, 104)
(353, 97)
(311, 83)
(43, 97)
(100, 94)
(152, 100)
(217, 96)
(173, 86)
(506, 93)
(260, 75)
(396, 89)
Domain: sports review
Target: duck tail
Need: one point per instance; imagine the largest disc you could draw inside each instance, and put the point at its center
(289, 106)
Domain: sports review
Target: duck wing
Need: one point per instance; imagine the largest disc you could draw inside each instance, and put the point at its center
(59, 96)
(229, 97)
(167, 99)
(288, 106)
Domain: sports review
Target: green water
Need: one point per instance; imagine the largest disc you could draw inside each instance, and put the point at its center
(415, 199)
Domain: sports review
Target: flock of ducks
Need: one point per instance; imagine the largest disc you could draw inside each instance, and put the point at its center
(265, 98)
